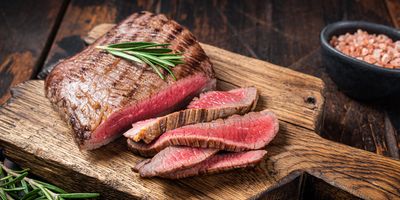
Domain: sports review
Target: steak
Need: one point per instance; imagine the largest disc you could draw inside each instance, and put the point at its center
(101, 95)
(180, 162)
(172, 159)
(236, 133)
(209, 106)
(219, 163)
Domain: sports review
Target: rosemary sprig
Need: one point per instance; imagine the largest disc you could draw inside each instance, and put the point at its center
(157, 56)
(16, 185)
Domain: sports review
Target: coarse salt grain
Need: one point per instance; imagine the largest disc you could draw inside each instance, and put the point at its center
(375, 49)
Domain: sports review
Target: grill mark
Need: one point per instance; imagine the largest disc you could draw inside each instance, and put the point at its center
(113, 65)
(144, 26)
(117, 37)
(174, 33)
(92, 57)
(135, 87)
(120, 37)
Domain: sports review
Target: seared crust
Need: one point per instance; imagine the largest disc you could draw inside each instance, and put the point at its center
(88, 87)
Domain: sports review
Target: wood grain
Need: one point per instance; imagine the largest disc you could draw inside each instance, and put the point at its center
(201, 17)
(358, 124)
(394, 11)
(86, 166)
(24, 35)
(264, 29)
(34, 135)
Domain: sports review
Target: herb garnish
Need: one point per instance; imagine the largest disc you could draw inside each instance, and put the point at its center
(154, 54)
(16, 185)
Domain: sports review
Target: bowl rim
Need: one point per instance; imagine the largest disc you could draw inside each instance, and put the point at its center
(324, 37)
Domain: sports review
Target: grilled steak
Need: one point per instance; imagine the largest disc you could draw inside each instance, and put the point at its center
(236, 133)
(219, 163)
(172, 159)
(209, 106)
(180, 162)
(101, 95)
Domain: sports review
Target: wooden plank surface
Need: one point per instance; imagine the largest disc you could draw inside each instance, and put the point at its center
(393, 7)
(203, 18)
(23, 38)
(38, 137)
(33, 133)
(262, 29)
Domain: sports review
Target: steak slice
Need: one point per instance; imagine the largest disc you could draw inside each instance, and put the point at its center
(219, 163)
(209, 106)
(236, 133)
(101, 95)
(172, 159)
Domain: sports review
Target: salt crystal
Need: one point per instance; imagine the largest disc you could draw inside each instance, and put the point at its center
(372, 48)
(397, 45)
(376, 53)
(385, 58)
(395, 62)
(364, 51)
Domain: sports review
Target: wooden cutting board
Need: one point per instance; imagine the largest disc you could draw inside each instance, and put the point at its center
(34, 135)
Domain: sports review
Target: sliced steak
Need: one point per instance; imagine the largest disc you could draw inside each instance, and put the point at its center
(209, 106)
(101, 95)
(172, 159)
(236, 133)
(219, 163)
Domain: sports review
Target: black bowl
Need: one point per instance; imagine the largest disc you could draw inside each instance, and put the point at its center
(356, 78)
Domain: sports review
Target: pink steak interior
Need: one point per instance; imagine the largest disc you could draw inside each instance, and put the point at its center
(161, 103)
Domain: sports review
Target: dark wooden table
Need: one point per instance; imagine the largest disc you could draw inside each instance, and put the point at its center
(36, 34)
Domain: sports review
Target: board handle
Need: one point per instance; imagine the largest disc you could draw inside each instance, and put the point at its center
(362, 173)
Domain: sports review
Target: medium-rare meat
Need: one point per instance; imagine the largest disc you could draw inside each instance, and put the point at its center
(209, 106)
(236, 133)
(172, 159)
(180, 162)
(220, 162)
(101, 95)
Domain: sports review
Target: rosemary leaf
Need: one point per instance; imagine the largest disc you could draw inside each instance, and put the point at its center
(16, 184)
(52, 187)
(1, 172)
(6, 178)
(171, 57)
(157, 56)
(132, 46)
(154, 58)
(152, 66)
(18, 178)
(177, 62)
(2, 195)
(124, 55)
(22, 171)
(25, 185)
(45, 192)
(158, 50)
(14, 189)
(79, 195)
(163, 54)
(33, 193)
(169, 71)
